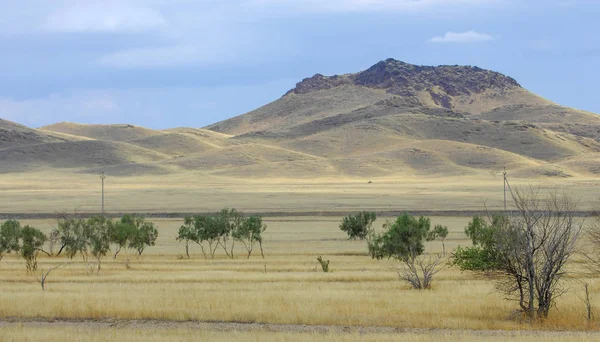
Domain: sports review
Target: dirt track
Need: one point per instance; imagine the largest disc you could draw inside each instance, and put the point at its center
(268, 327)
(387, 213)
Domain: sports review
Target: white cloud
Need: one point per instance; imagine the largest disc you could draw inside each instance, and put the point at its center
(464, 37)
(104, 17)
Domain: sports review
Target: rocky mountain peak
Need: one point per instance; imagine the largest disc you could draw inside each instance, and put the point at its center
(405, 79)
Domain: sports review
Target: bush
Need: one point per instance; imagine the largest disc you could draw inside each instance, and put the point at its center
(483, 256)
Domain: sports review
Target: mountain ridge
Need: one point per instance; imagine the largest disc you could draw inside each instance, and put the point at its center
(390, 120)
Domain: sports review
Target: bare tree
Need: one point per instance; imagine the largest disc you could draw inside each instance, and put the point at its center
(592, 253)
(534, 244)
(418, 271)
(45, 275)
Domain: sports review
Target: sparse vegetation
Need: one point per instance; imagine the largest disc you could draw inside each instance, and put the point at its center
(324, 264)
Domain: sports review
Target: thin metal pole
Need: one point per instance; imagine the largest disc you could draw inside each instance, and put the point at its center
(102, 177)
(504, 174)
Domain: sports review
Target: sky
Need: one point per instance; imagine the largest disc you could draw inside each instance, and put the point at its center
(172, 63)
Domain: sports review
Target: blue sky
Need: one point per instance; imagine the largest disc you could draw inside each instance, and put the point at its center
(169, 63)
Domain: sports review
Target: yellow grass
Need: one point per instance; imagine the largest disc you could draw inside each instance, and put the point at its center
(293, 290)
(51, 192)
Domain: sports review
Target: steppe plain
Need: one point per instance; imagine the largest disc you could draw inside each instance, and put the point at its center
(392, 138)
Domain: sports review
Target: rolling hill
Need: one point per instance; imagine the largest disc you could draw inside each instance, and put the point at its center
(391, 120)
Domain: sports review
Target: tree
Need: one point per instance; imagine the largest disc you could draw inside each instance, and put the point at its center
(32, 240)
(87, 238)
(403, 240)
(187, 233)
(209, 229)
(439, 232)
(530, 248)
(358, 226)
(121, 232)
(400, 239)
(483, 256)
(10, 233)
(145, 234)
(249, 232)
(98, 238)
(73, 236)
(227, 221)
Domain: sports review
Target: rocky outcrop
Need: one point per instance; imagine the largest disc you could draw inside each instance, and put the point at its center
(403, 79)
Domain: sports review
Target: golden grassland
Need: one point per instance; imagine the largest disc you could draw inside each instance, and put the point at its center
(287, 287)
(49, 192)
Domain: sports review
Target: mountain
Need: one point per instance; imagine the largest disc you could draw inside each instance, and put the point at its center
(390, 120)
(394, 108)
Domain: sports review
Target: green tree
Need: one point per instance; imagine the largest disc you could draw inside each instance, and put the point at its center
(73, 236)
(98, 238)
(439, 232)
(210, 229)
(358, 226)
(249, 232)
(32, 241)
(145, 234)
(188, 232)
(483, 255)
(121, 232)
(401, 239)
(10, 233)
(227, 221)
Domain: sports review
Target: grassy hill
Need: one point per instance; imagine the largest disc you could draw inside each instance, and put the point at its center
(391, 120)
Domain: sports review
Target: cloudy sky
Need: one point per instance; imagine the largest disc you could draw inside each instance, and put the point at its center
(168, 63)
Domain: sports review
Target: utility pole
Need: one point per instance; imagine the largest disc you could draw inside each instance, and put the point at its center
(504, 174)
(102, 176)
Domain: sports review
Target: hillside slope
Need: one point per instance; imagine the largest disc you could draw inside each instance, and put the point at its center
(393, 104)
(102, 132)
(393, 119)
(12, 135)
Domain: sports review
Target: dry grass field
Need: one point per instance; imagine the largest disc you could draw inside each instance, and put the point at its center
(50, 192)
(434, 139)
(160, 296)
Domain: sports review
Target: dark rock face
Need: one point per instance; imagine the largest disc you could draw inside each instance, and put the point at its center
(318, 82)
(405, 79)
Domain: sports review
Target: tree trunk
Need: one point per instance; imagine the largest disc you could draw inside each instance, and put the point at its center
(187, 249)
(261, 249)
(60, 250)
(116, 252)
